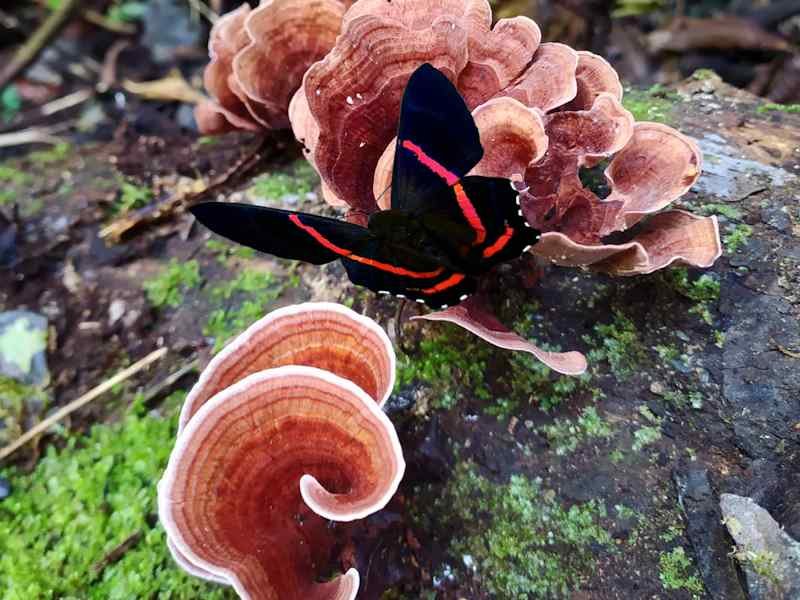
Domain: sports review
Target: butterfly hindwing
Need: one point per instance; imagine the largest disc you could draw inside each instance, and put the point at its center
(442, 287)
(300, 236)
(482, 226)
(437, 141)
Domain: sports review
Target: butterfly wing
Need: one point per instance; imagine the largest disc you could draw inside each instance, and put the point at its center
(485, 212)
(370, 261)
(437, 142)
(438, 287)
(299, 236)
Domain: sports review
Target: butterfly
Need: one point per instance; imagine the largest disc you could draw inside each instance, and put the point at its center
(444, 228)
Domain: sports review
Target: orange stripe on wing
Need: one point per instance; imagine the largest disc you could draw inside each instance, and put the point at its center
(361, 259)
(470, 214)
(451, 281)
(499, 244)
(467, 208)
(450, 178)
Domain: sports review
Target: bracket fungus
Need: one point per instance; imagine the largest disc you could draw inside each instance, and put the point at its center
(269, 451)
(258, 58)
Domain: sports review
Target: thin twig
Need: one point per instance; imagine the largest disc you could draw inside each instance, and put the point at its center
(204, 11)
(171, 379)
(31, 49)
(79, 402)
(65, 102)
(27, 136)
(783, 350)
(267, 149)
(118, 552)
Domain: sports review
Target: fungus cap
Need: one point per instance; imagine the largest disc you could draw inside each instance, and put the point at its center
(259, 469)
(325, 335)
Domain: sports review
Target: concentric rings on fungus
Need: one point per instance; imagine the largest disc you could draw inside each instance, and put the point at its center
(269, 451)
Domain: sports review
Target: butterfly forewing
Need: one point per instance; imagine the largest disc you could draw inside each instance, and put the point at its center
(437, 142)
(300, 236)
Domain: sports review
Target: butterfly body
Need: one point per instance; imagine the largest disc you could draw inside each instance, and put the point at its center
(444, 228)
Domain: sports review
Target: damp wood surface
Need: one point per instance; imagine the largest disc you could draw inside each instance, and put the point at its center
(519, 483)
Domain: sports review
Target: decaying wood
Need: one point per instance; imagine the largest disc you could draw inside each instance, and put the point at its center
(28, 53)
(246, 168)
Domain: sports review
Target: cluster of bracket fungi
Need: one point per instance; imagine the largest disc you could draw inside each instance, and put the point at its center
(284, 429)
(335, 72)
(283, 432)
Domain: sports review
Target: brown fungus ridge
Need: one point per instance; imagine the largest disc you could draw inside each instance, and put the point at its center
(261, 468)
(349, 111)
(512, 136)
(554, 199)
(325, 335)
(228, 110)
(258, 59)
(474, 316)
(287, 36)
(593, 76)
(654, 168)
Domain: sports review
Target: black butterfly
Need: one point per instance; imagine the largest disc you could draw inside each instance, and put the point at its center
(444, 229)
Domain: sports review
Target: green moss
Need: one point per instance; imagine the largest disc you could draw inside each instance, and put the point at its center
(451, 363)
(652, 104)
(703, 290)
(704, 74)
(17, 401)
(226, 251)
(12, 183)
(617, 343)
(680, 399)
(299, 180)
(645, 436)
(773, 107)
(56, 154)
(79, 504)
(168, 287)
(565, 435)
(726, 210)
(531, 382)
(241, 301)
(737, 238)
(131, 197)
(677, 572)
(635, 8)
(522, 541)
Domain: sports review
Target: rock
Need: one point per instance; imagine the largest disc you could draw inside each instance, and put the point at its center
(5, 488)
(116, 310)
(768, 555)
(704, 529)
(167, 26)
(23, 347)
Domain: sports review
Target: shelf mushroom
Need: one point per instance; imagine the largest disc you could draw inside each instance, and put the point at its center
(269, 452)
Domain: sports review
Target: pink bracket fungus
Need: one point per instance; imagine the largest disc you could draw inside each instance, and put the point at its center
(266, 457)
(325, 335)
(258, 59)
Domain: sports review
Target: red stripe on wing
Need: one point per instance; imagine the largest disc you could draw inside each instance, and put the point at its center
(362, 259)
(467, 208)
(451, 281)
(499, 244)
